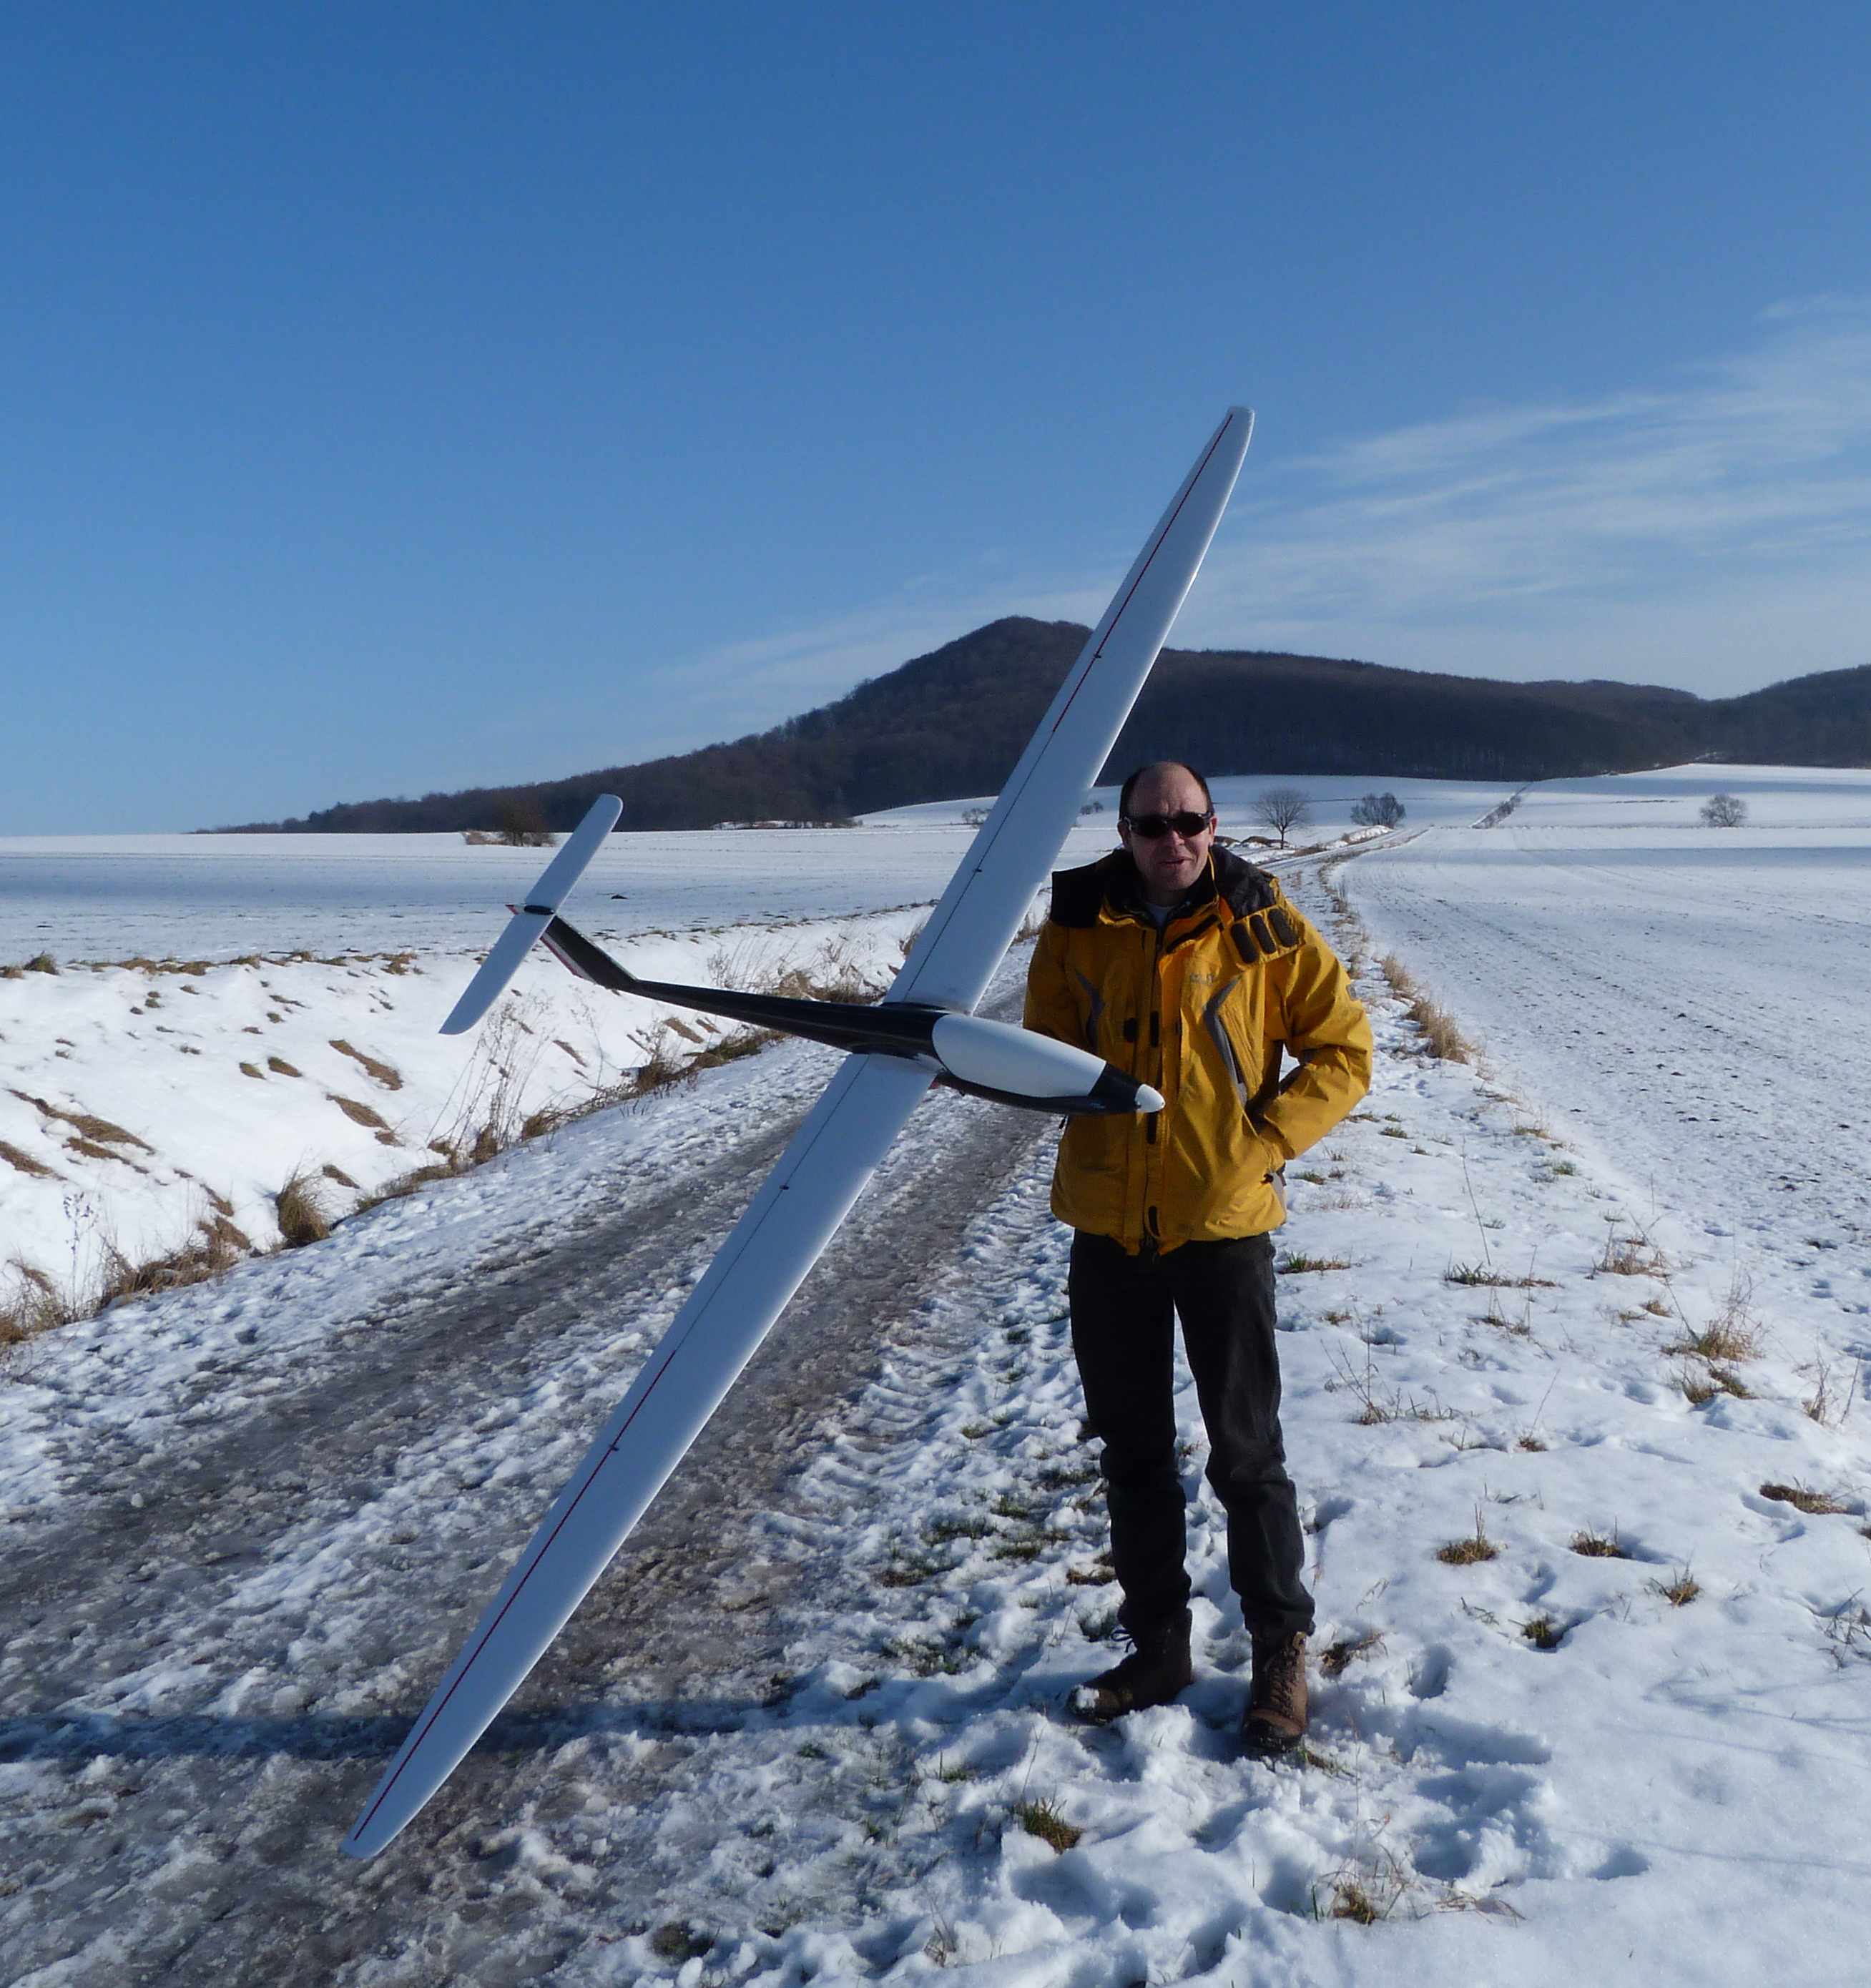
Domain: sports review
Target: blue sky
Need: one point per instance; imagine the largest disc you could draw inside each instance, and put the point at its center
(405, 398)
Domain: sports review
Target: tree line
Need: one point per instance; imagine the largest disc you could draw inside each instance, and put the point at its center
(954, 722)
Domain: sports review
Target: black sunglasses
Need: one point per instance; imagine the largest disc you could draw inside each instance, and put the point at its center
(1150, 827)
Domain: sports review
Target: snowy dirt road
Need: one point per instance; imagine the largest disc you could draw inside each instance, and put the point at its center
(238, 1600)
(1593, 1657)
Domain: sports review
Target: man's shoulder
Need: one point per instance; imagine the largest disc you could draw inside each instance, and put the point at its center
(1243, 887)
(1079, 895)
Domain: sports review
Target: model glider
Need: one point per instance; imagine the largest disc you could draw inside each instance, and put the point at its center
(923, 1032)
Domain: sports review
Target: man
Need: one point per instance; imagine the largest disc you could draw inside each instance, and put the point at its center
(1187, 967)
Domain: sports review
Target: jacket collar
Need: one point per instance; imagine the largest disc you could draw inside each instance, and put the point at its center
(1239, 884)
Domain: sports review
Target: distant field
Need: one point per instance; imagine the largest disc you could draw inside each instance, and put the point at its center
(1690, 1002)
(218, 896)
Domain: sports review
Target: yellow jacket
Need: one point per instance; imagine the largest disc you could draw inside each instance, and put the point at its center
(1203, 1012)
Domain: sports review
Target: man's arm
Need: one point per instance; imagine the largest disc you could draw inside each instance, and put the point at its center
(1052, 1005)
(1327, 1030)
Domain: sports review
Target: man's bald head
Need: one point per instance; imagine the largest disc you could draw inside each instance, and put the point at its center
(1152, 772)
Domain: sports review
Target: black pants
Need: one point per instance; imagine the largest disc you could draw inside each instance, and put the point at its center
(1122, 1332)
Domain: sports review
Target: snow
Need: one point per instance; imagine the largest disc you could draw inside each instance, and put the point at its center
(1682, 1786)
(244, 1009)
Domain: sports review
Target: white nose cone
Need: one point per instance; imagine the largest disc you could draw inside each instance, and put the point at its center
(1019, 1062)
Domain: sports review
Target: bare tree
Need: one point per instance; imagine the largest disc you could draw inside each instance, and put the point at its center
(1377, 811)
(519, 822)
(1279, 809)
(1723, 811)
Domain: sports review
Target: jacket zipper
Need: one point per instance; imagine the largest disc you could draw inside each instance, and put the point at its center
(1153, 1221)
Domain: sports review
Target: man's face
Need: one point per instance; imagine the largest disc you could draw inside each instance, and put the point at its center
(1169, 863)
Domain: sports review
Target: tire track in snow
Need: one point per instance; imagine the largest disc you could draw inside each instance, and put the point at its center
(238, 1655)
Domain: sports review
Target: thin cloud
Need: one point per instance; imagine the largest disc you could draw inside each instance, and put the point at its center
(1711, 533)
(1491, 540)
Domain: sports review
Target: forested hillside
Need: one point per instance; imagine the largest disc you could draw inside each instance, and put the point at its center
(953, 723)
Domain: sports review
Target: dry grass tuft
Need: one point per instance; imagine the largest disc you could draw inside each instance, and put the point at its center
(1724, 1341)
(86, 1124)
(1733, 1333)
(1701, 1387)
(1631, 1255)
(34, 1304)
(1465, 1552)
(280, 1067)
(1679, 1591)
(359, 1114)
(1599, 1546)
(1543, 1632)
(1042, 1819)
(1441, 1035)
(42, 962)
(1822, 1405)
(662, 1069)
(302, 1218)
(406, 1184)
(387, 1074)
(1802, 1498)
(23, 1163)
(1374, 1405)
(1296, 1263)
(215, 1248)
(1485, 1274)
(1339, 1657)
(1365, 1892)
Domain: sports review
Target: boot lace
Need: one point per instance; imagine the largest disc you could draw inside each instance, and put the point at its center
(1278, 1677)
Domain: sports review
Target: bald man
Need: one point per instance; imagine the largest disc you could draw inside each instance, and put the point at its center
(1188, 968)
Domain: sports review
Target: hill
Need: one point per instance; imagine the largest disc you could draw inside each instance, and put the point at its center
(954, 722)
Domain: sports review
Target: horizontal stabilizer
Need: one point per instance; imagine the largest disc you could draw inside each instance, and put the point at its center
(530, 920)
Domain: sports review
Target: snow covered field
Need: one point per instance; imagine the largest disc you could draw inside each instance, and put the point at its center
(1634, 1736)
(232, 1011)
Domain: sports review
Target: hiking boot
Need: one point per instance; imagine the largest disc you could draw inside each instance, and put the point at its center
(1153, 1673)
(1275, 1720)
